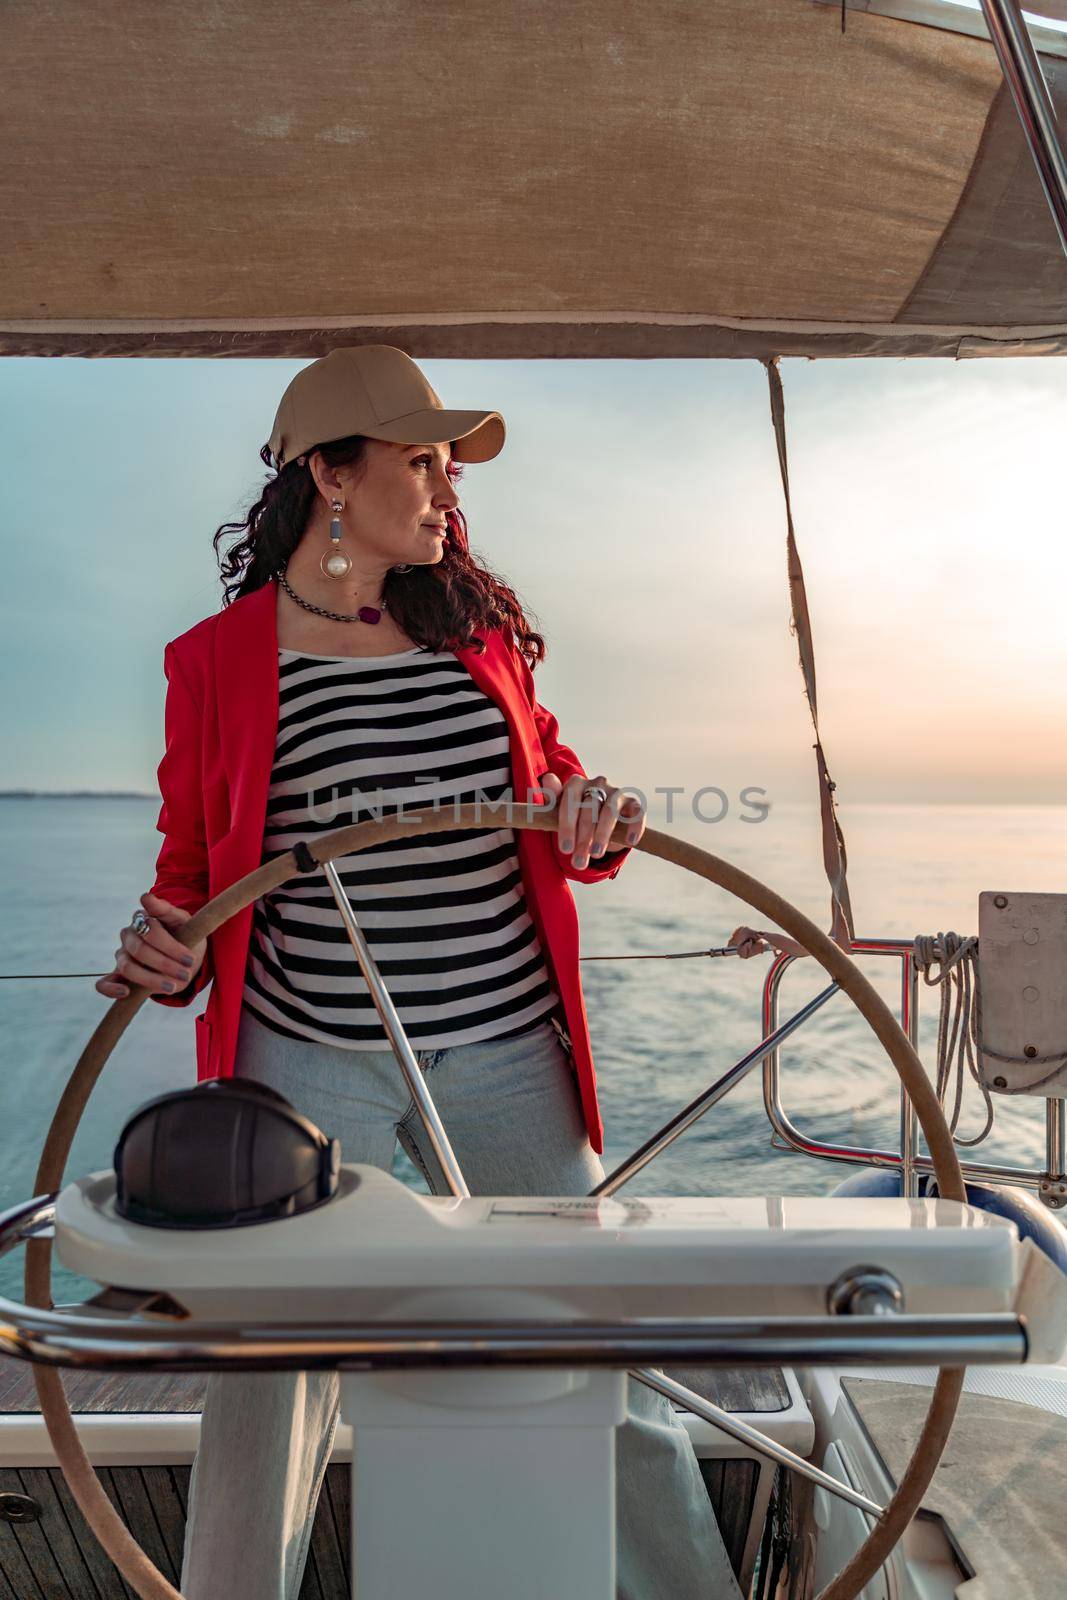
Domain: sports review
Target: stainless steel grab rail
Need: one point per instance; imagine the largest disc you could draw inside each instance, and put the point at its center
(55, 1340)
(908, 1160)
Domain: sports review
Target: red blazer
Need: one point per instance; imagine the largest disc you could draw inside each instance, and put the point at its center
(221, 727)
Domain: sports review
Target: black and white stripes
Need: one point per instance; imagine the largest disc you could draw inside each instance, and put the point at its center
(445, 916)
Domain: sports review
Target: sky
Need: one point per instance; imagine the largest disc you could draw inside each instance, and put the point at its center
(637, 509)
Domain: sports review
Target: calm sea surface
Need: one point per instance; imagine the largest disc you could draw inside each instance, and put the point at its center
(72, 871)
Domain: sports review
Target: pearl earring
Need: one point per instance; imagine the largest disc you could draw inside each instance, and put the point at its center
(335, 563)
(404, 566)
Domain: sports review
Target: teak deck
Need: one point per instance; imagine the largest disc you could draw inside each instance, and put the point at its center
(175, 1393)
(54, 1556)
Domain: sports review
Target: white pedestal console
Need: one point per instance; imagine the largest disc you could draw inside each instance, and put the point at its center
(514, 1472)
(470, 1484)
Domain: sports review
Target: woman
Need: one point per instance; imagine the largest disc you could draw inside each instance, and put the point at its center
(367, 663)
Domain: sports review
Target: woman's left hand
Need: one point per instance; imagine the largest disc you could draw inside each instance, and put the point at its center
(750, 942)
(586, 821)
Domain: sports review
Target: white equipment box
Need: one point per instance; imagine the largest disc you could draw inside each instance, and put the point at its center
(1022, 971)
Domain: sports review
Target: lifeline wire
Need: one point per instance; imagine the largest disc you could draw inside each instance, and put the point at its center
(26, 975)
(677, 955)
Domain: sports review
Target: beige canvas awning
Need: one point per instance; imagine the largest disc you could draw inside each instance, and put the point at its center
(505, 179)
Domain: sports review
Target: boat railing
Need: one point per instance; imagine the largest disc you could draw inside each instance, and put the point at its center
(908, 1159)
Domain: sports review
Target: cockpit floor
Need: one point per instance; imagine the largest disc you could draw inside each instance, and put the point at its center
(999, 1486)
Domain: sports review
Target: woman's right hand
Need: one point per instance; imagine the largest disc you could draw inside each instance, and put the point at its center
(155, 960)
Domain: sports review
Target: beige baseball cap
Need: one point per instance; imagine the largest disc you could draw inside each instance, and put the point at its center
(377, 390)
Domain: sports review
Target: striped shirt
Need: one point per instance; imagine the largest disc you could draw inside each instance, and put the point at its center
(445, 915)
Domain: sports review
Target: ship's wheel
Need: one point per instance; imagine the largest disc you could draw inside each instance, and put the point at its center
(135, 1566)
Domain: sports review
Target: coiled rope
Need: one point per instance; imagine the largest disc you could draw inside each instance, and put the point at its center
(955, 958)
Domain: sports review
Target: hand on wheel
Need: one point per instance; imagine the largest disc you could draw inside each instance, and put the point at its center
(586, 821)
(154, 958)
(754, 942)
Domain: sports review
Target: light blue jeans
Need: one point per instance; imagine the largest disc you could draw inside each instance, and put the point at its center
(512, 1112)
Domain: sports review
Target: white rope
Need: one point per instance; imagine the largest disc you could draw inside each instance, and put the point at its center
(956, 960)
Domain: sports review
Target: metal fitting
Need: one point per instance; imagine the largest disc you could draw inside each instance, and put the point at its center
(865, 1292)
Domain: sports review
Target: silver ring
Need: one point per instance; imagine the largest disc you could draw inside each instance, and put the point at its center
(139, 922)
(594, 788)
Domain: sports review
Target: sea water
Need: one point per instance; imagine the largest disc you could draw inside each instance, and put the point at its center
(662, 1030)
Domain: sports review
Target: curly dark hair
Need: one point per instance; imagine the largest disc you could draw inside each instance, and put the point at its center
(438, 606)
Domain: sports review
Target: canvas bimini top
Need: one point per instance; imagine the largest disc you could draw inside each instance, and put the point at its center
(609, 179)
